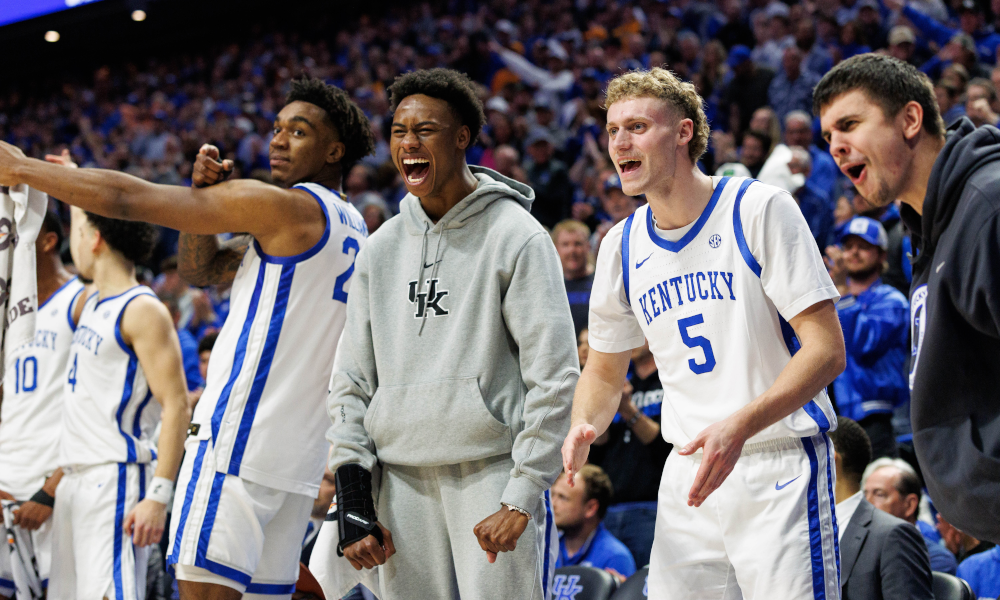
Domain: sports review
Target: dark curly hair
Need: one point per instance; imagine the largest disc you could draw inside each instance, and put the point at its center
(853, 445)
(134, 239)
(344, 115)
(444, 84)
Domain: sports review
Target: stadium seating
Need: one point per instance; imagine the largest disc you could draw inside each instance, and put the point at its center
(949, 587)
(583, 583)
(634, 587)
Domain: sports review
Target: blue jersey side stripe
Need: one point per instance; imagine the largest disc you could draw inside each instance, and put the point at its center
(815, 531)
(263, 368)
(240, 354)
(626, 233)
(188, 498)
(548, 535)
(741, 241)
(133, 365)
(119, 532)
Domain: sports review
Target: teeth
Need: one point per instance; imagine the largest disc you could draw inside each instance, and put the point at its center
(415, 161)
(622, 163)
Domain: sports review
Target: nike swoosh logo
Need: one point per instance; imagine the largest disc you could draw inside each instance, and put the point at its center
(643, 261)
(780, 487)
(938, 269)
(432, 264)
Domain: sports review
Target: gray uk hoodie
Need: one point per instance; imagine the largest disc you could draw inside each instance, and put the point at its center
(459, 344)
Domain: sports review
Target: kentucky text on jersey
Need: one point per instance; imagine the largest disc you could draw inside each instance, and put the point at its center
(43, 339)
(699, 285)
(88, 338)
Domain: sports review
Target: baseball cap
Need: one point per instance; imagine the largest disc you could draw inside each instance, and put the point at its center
(497, 103)
(969, 6)
(738, 55)
(965, 41)
(867, 229)
(539, 134)
(613, 182)
(901, 34)
(872, 4)
(777, 9)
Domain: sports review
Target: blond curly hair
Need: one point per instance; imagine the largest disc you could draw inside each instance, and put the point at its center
(661, 83)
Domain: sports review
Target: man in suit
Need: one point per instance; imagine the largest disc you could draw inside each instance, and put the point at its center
(882, 556)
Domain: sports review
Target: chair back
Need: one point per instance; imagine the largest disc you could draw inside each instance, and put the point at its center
(583, 583)
(949, 587)
(634, 587)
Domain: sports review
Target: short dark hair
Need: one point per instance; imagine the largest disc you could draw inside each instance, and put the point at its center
(135, 240)
(851, 442)
(596, 486)
(763, 138)
(986, 84)
(346, 117)
(51, 223)
(888, 82)
(444, 84)
(207, 342)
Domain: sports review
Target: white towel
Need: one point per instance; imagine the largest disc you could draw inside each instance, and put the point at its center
(22, 556)
(22, 210)
(334, 573)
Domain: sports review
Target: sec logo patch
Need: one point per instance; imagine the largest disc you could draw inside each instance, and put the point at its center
(715, 241)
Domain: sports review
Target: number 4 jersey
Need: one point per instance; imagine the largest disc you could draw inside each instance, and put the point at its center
(714, 299)
(264, 405)
(31, 416)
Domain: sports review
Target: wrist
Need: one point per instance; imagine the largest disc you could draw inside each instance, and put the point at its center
(510, 507)
(44, 498)
(160, 490)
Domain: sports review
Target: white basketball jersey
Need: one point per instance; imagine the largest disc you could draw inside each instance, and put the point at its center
(31, 414)
(109, 414)
(264, 404)
(712, 308)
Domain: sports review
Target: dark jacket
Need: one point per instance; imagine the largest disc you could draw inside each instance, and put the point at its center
(955, 311)
(883, 557)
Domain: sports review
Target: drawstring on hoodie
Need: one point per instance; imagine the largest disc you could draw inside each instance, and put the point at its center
(434, 271)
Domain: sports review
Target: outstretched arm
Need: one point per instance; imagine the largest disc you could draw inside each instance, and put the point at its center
(148, 328)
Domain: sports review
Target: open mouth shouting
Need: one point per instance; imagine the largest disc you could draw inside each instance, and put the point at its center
(856, 171)
(416, 170)
(628, 165)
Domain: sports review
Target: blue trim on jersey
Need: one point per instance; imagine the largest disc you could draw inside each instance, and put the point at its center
(6, 584)
(833, 503)
(102, 301)
(223, 570)
(291, 260)
(119, 531)
(741, 240)
(56, 293)
(188, 498)
(694, 231)
(813, 410)
(548, 541)
(815, 530)
(209, 522)
(118, 322)
(626, 233)
(788, 334)
(271, 588)
(137, 422)
(133, 365)
(239, 355)
(263, 367)
(69, 311)
(142, 482)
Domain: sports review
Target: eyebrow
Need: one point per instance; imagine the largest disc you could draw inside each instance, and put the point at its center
(631, 119)
(420, 124)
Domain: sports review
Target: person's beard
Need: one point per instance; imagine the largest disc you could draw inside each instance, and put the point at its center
(863, 274)
(884, 196)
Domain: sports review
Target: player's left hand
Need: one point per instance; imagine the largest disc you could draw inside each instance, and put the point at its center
(31, 515)
(145, 522)
(10, 157)
(65, 159)
(722, 443)
(500, 531)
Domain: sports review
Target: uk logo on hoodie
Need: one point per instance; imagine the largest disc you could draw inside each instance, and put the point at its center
(428, 302)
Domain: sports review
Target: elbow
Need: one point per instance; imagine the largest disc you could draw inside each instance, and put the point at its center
(838, 361)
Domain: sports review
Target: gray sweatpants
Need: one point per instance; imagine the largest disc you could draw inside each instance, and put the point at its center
(431, 512)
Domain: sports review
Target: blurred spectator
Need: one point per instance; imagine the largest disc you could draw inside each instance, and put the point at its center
(981, 104)
(798, 132)
(851, 41)
(189, 345)
(961, 51)
(949, 101)
(777, 37)
(882, 556)
(876, 322)
(583, 539)
(582, 347)
(735, 31)
(205, 347)
(892, 485)
(572, 243)
(747, 90)
(903, 44)
(961, 544)
(616, 204)
(754, 151)
(549, 178)
(897, 272)
(633, 453)
(983, 573)
(507, 163)
(817, 59)
(971, 22)
(792, 88)
(814, 201)
(375, 212)
(194, 307)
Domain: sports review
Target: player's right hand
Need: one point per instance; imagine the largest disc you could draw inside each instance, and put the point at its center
(31, 515)
(208, 170)
(145, 522)
(367, 553)
(576, 448)
(5, 496)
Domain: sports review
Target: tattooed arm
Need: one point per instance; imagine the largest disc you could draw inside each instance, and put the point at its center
(202, 260)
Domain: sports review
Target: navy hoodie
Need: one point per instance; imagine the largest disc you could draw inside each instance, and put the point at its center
(955, 312)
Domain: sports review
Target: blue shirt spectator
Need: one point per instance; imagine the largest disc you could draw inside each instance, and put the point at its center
(601, 551)
(982, 571)
(791, 89)
(971, 17)
(189, 352)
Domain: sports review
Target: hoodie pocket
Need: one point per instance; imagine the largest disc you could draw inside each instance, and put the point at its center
(436, 423)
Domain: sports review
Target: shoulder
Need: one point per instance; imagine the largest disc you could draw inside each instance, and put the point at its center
(145, 305)
(977, 564)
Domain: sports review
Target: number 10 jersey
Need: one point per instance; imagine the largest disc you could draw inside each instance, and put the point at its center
(714, 299)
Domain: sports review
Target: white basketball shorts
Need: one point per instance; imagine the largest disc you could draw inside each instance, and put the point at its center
(769, 531)
(41, 545)
(233, 532)
(92, 556)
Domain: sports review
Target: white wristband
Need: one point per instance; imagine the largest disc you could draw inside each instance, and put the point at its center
(161, 490)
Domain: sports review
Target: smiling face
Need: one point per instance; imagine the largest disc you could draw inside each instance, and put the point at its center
(428, 144)
(861, 259)
(874, 150)
(646, 141)
(304, 143)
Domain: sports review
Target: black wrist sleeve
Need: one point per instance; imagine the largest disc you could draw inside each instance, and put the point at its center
(355, 507)
(42, 497)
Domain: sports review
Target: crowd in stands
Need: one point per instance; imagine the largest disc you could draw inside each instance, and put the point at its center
(542, 66)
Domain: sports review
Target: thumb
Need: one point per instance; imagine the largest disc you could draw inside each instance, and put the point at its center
(587, 433)
(227, 165)
(693, 445)
(209, 150)
(491, 556)
(129, 522)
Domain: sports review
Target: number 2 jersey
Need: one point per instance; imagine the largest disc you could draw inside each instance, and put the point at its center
(714, 299)
(264, 404)
(31, 415)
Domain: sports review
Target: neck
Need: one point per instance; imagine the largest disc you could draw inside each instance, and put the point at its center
(51, 276)
(576, 274)
(846, 487)
(113, 275)
(437, 205)
(646, 366)
(919, 173)
(856, 287)
(329, 177)
(575, 537)
(680, 199)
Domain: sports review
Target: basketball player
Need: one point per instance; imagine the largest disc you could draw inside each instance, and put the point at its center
(887, 136)
(256, 448)
(712, 272)
(124, 353)
(456, 372)
(31, 413)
